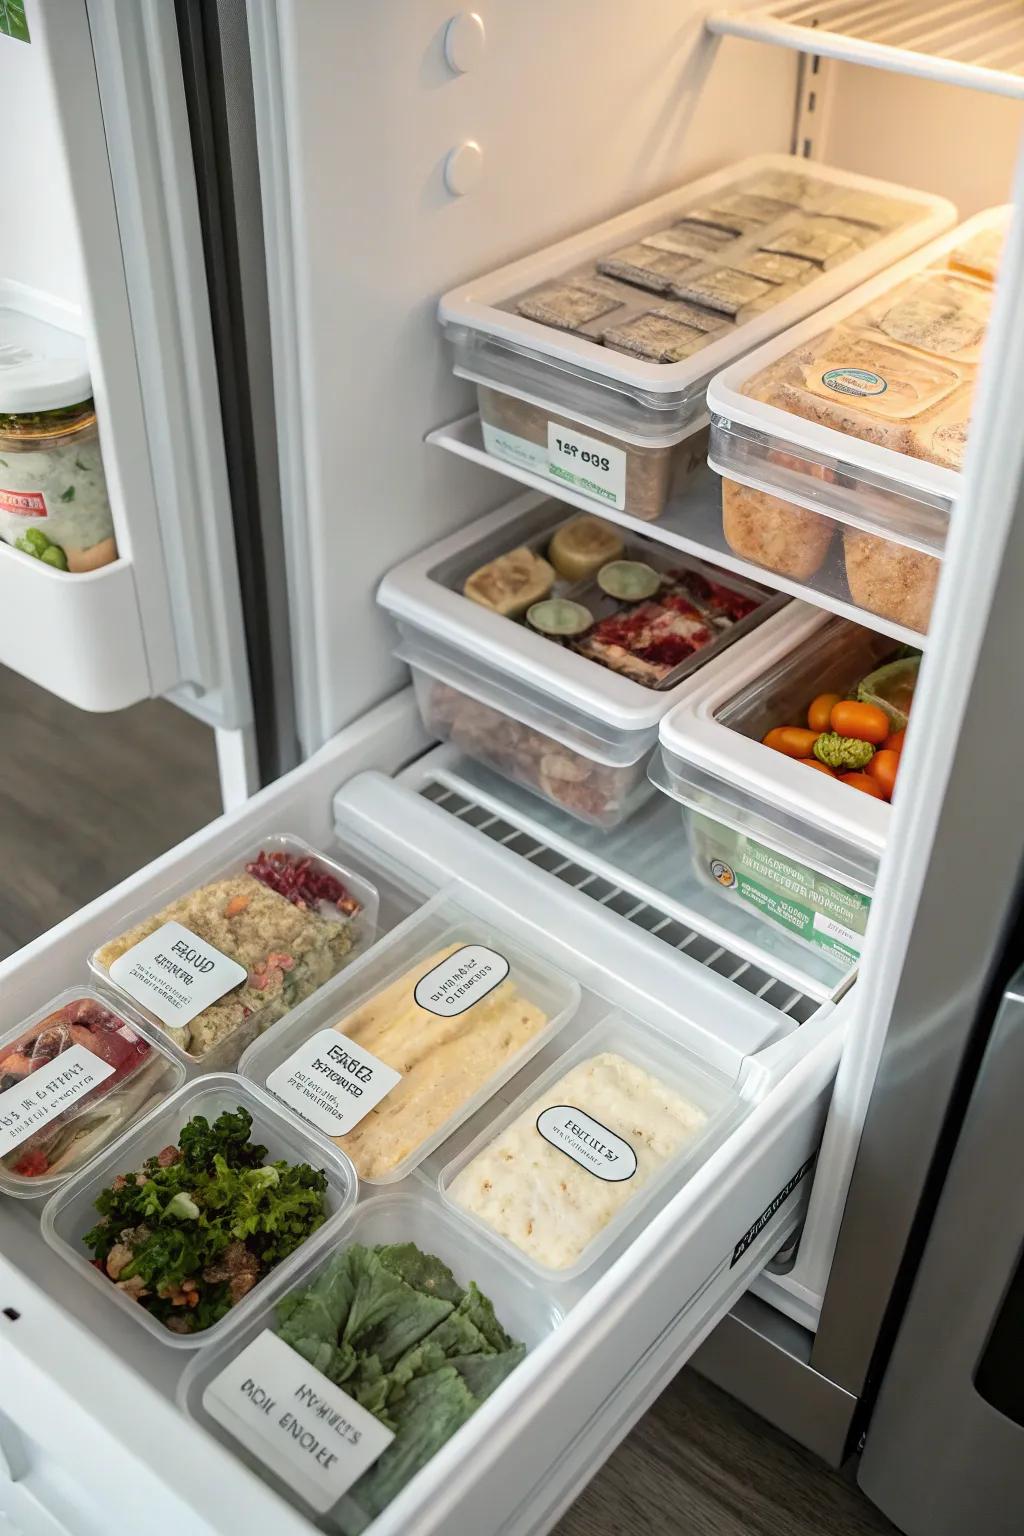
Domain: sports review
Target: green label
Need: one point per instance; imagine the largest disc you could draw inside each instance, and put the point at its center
(13, 22)
(811, 906)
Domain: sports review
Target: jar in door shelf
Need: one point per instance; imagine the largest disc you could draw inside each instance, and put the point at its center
(53, 491)
(633, 477)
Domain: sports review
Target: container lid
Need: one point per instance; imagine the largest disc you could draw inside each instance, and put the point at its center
(479, 305)
(42, 367)
(416, 593)
(877, 463)
(783, 790)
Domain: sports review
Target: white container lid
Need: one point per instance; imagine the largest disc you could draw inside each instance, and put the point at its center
(414, 596)
(727, 401)
(788, 792)
(42, 367)
(475, 304)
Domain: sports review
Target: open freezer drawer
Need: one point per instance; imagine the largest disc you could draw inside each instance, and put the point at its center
(85, 1407)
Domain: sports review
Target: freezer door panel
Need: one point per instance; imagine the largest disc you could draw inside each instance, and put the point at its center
(84, 1395)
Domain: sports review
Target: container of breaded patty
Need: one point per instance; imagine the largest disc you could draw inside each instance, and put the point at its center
(222, 955)
(392, 1058)
(593, 356)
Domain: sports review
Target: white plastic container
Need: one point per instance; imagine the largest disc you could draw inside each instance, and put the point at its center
(614, 425)
(102, 1094)
(187, 934)
(569, 1116)
(53, 492)
(71, 1212)
(797, 847)
(885, 486)
(436, 972)
(526, 1310)
(524, 689)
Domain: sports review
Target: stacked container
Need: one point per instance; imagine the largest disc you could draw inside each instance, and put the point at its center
(797, 847)
(851, 428)
(533, 709)
(592, 357)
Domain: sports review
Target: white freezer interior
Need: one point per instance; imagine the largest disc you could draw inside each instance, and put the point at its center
(579, 113)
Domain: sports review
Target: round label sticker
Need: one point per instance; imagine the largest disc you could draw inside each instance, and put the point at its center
(722, 873)
(854, 381)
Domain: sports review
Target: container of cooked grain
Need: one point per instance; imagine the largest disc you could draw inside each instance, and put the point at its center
(570, 709)
(559, 1173)
(796, 846)
(53, 492)
(391, 1059)
(592, 357)
(219, 956)
(850, 429)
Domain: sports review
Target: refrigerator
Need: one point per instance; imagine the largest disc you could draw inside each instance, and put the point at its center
(249, 211)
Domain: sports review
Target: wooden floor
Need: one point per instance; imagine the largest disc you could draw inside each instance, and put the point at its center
(87, 799)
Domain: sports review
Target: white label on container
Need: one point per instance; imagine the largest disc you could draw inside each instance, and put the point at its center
(461, 980)
(175, 974)
(47, 1093)
(332, 1082)
(854, 381)
(825, 924)
(594, 468)
(587, 1142)
(515, 450)
(305, 1429)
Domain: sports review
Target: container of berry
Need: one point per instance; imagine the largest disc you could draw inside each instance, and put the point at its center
(223, 953)
(74, 1075)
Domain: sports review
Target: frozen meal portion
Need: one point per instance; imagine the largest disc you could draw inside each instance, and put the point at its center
(445, 1048)
(272, 933)
(979, 256)
(900, 371)
(580, 547)
(189, 1233)
(398, 1333)
(512, 583)
(72, 1082)
(554, 1178)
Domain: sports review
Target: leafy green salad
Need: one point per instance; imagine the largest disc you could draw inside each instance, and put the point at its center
(392, 1327)
(192, 1231)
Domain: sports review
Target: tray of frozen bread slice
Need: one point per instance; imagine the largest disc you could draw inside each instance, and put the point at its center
(592, 357)
(852, 426)
(548, 646)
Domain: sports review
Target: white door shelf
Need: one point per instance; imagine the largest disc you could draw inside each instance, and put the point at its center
(80, 636)
(692, 522)
(630, 1322)
(978, 44)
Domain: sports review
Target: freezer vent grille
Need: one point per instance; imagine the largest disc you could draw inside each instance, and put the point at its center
(780, 995)
(973, 43)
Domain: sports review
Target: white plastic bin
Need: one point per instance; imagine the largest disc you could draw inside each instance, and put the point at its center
(71, 1212)
(851, 428)
(538, 711)
(593, 356)
(223, 953)
(796, 846)
(562, 1171)
(526, 1310)
(388, 1061)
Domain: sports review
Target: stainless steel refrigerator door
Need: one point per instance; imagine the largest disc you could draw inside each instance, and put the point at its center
(941, 1459)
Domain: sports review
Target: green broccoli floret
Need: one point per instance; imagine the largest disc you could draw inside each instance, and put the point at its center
(844, 752)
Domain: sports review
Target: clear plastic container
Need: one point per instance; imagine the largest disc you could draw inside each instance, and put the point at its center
(593, 357)
(53, 492)
(526, 1311)
(537, 684)
(562, 1171)
(71, 1212)
(797, 847)
(240, 953)
(853, 425)
(579, 765)
(429, 1025)
(75, 1074)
